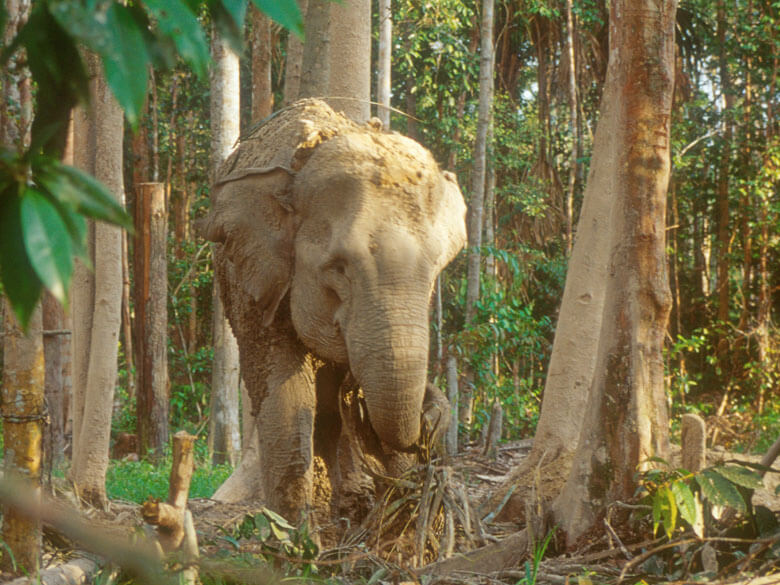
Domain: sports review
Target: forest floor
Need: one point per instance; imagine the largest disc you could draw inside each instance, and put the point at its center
(432, 515)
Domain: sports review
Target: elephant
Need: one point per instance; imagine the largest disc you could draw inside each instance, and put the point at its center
(329, 236)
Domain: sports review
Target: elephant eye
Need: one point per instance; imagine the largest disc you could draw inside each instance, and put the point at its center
(337, 265)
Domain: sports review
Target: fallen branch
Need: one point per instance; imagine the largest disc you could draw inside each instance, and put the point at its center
(494, 557)
(74, 572)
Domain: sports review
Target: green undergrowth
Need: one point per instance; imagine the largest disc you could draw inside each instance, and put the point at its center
(134, 481)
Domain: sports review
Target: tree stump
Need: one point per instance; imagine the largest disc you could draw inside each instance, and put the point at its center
(494, 430)
(694, 443)
(169, 517)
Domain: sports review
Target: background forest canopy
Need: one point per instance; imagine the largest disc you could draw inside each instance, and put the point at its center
(723, 203)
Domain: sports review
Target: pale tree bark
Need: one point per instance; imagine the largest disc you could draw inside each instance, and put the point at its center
(350, 59)
(293, 63)
(224, 436)
(97, 297)
(384, 62)
(478, 191)
(315, 67)
(151, 318)
(626, 420)
(22, 400)
(262, 95)
(573, 127)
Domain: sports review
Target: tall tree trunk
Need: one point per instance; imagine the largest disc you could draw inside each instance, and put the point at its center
(22, 390)
(97, 298)
(315, 67)
(23, 415)
(151, 296)
(349, 89)
(293, 63)
(127, 322)
(478, 191)
(626, 421)
(224, 437)
(723, 233)
(384, 62)
(573, 128)
(55, 340)
(262, 95)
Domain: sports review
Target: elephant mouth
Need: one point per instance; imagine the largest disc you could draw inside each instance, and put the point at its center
(377, 456)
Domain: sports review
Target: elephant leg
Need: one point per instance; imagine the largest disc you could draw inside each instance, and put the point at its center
(327, 425)
(286, 428)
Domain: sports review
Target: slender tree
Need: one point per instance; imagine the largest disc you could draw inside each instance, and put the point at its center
(349, 87)
(262, 95)
(97, 296)
(475, 219)
(384, 61)
(224, 436)
(573, 126)
(293, 63)
(315, 65)
(151, 312)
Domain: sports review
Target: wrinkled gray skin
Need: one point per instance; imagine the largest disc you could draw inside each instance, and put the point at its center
(329, 238)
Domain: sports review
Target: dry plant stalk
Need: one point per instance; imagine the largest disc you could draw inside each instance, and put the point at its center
(421, 517)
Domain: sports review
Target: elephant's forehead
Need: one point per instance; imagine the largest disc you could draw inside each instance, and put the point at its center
(386, 172)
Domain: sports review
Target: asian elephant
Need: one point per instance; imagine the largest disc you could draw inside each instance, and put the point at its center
(329, 236)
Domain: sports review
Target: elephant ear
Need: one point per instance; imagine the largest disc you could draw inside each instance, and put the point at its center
(449, 227)
(254, 227)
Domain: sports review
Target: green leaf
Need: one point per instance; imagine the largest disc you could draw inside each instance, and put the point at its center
(719, 491)
(285, 12)
(281, 535)
(20, 282)
(125, 61)
(664, 511)
(741, 476)
(228, 18)
(77, 228)
(47, 241)
(277, 519)
(82, 192)
(58, 73)
(176, 20)
(689, 506)
(231, 540)
(262, 527)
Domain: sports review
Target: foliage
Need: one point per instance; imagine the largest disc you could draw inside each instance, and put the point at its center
(264, 539)
(135, 481)
(709, 522)
(532, 565)
(42, 201)
(698, 499)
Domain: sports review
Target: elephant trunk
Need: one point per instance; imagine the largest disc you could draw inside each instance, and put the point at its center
(392, 368)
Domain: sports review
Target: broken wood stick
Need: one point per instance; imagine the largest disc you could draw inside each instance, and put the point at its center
(169, 516)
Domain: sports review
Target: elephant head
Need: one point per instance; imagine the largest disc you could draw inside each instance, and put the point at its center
(352, 225)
